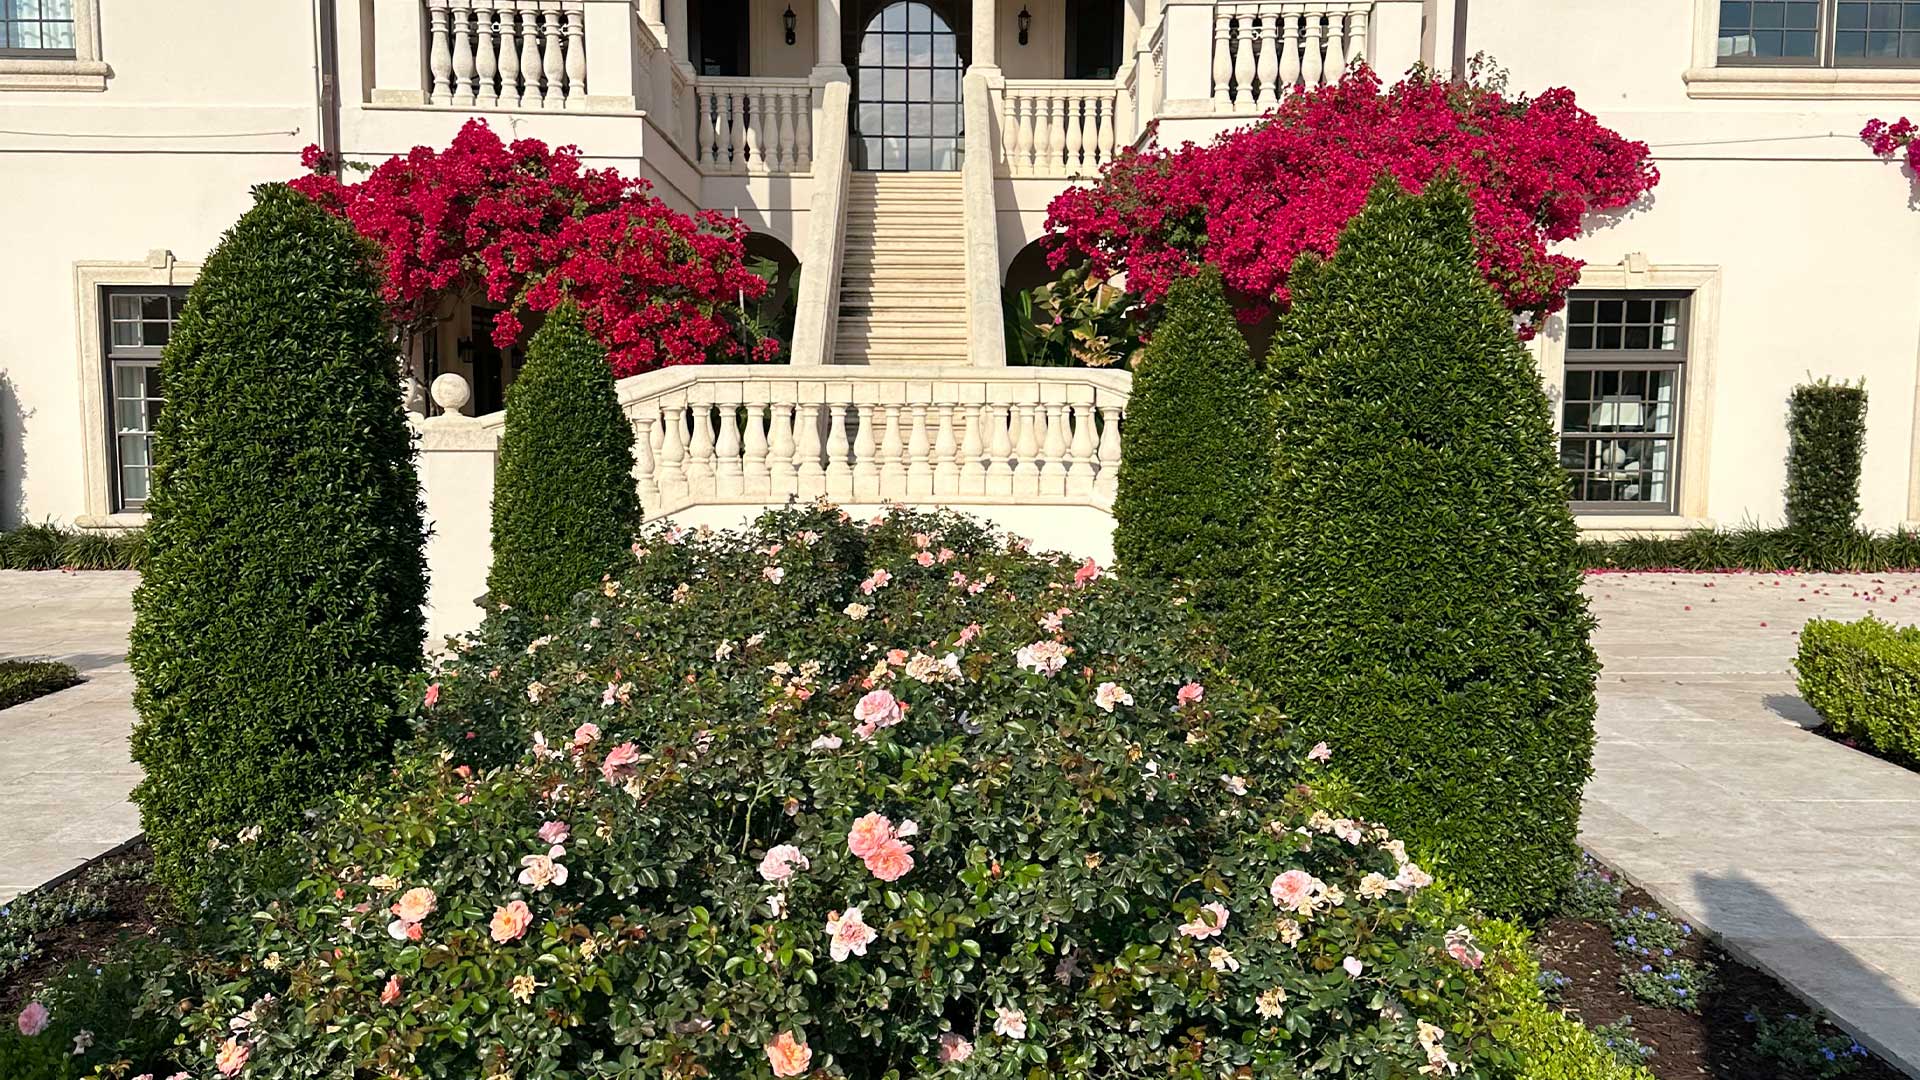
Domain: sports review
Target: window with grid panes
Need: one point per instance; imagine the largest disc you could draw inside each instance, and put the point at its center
(1620, 409)
(36, 28)
(907, 114)
(139, 324)
(1817, 33)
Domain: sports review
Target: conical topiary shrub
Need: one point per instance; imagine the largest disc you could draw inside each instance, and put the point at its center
(1426, 617)
(1195, 455)
(281, 604)
(564, 504)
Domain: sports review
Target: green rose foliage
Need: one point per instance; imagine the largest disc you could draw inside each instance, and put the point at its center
(711, 731)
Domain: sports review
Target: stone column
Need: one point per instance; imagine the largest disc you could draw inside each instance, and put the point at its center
(677, 37)
(826, 40)
(986, 33)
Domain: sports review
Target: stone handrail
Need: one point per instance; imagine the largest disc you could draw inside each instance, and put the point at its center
(507, 54)
(1263, 49)
(815, 322)
(753, 434)
(754, 125)
(1063, 127)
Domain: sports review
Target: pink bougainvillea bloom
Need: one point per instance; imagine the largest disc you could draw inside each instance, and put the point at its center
(1010, 1023)
(1110, 695)
(1320, 752)
(433, 695)
(232, 1057)
(781, 862)
(1207, 922)
(391, 993)
(868, 834)
(1353, 965)
(415, 905)
(510, 922)
(788, 1055)
(1190, 693)
(953, 1048)
(555, 832)
(850, 933)
(33, 1019)
(878, 709)
(891, 861)
(1297, 891)
(1087, 572)
(621, 764)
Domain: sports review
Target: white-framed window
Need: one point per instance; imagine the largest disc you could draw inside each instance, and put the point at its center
(36, 28)
(139, 323)
(1819, 33)
(51, 45)
(1622, 390)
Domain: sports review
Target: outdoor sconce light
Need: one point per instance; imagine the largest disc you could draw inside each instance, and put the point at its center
(463, 350)
(1026, 23)
(790, 21)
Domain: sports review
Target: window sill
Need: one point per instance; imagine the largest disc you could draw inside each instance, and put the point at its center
(17, 73)
(106, 522)
(1614, 526)
(1797, 83)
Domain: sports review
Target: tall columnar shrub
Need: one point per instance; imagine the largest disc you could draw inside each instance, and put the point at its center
(281, 604)
(1827, 432)
(564, 504)
(1426, 618)
(1195, 454)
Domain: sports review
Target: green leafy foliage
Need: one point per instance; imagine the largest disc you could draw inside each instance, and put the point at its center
(1064, 811)
(1757, 549)
(112, 1017)
(1196, 457)
(1827, 441)
(1864, 678)
(281, 603)
(1426, 617)
(1546, 1043)
(1802, 1045)
(1076, 320)
(49, 547)
(24, 680)
(564, 504)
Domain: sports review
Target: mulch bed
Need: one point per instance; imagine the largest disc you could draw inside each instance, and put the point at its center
(1716, 1042)
(133, 910)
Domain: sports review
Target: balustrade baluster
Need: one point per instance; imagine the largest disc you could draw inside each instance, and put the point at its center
(999, 449)
(1056, 135)
(644, 466)
(463, 69)
(1010, 132)
(946, 471)
(1289, 49)
(673, 453)
(812, 481)
(1246, 35)
(781, 454)
(576, 55)
(439, 52)
(973, 474)
(893, 456)
(756, 480)
(754, 149)
(1122, 120)
(839, 475)
(1312, 71)
(736, 143)
(1053, 466)
(1222, 57)
(1026, 451)
(789, 132)
(803, 129)
(1082, 450)
(508, 19)
(1029, 150)
(554, 56)
(1105, 484)
(700, 452)
(1358, 43)
(1108, 110)
(486, 61)
(1268, 66)
(729, 480)
(919, 453)
(529, 54)
(866, 471)
(1073, 108)
(1336, 43)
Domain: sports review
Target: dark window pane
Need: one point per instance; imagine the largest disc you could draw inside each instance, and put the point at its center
(919, 155)
(1852, 16)
(1638, 337)
(1735, 14)
(1580, 337)
(1579, 384)
(1639, 311)
(1910, 45)
(1803, 16)
(1580, 311)
(1850, 43)
(1884, 17)
(1883, 44)
(1767, 43)
(1769, 14)
(1912, 18)
(1575, 416)
(1608, 338)
(1799, 44)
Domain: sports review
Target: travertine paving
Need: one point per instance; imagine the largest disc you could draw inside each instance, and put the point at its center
(1708, 791)
(64, 769)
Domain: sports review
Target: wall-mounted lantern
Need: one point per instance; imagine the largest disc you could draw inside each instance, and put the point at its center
(790, 21)
(1026, 24)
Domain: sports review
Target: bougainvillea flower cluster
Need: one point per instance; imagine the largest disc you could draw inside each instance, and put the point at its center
(1255, 200)
(1888, 140)
(527, 226)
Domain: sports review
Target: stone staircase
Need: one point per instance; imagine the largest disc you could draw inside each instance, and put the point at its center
(903, 279)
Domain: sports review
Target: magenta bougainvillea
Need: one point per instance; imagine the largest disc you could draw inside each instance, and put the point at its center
(528, 226)
(1256, 199)
(1889, 141)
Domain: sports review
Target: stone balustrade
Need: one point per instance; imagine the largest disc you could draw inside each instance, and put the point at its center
(740, 434)
(1063, 128)
(1264, 49)
(753, 125)
(507, 54)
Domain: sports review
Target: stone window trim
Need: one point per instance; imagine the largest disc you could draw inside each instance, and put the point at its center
(1636, 273)
(91, 282)
(85, 70)
(1707, 78)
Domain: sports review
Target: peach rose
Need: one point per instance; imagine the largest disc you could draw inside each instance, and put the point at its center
(391, 993)
(891, 861)
(869, 833)
(232, 1057)
(415, 905)
(622, 762)
(788, 1055)
(510, 923)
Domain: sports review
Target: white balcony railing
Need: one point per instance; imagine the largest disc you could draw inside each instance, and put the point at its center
(754, 125)
(507, 54)
(755, 435)
(1265, 49)
(1063, 128)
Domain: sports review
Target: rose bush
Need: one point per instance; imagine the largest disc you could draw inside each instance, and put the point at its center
(531, 226)
(1256, 199)
(841, 800)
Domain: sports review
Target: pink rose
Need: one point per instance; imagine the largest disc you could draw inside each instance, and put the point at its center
(33, 1019)
(850, 934)
(953, 1048)
(1190, 693)
(1320, 752)
(781, 861)
(433, 695)
(1353, 965)
(1207, 922)
(1297, 891)
(878, 709)
(555, 832)
(622, 763)
(891, 861)
(1087, 572)
(510, 923)
(232, 1057)
(788, 1055)
(415, 905)
(391, 993)
(868, 834)
(586, 735)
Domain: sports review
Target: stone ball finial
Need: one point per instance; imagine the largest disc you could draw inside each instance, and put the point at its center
(450, 391)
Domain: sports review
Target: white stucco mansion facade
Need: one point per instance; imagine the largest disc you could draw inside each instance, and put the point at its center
(903, 153)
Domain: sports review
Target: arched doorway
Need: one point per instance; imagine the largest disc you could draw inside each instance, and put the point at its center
(906, 77)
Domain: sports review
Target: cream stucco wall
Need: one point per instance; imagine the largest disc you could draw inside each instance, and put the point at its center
(767, 45)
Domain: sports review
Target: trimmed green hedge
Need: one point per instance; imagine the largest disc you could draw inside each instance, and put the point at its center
(280, 610)
(1548, 1044)
(564, 504)
(1757, 549)
(1864, 677)
(1196, 453)
(24, 680)
(1426, 617)
(1827, 432)
(49, 547)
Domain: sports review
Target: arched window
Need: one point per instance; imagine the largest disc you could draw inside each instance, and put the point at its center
(907, 115)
